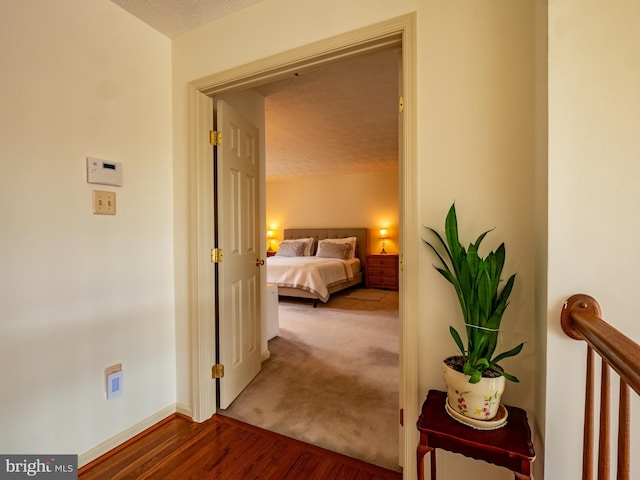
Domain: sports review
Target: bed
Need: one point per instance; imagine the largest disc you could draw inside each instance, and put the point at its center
(306, 275)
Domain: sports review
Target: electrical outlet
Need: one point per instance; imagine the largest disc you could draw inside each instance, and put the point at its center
(113, 380)
(114, 384)
(104, 203)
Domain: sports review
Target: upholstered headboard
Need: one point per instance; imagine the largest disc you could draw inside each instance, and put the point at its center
(362, 234)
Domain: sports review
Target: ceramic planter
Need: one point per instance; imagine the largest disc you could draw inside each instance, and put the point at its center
(479, 401)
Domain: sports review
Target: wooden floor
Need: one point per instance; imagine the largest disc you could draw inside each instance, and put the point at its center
(226, 449)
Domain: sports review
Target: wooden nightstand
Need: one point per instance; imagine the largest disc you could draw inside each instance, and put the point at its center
(381, 271)
(270, 253)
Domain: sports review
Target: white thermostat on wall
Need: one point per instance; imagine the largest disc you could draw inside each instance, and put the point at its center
(104, 172)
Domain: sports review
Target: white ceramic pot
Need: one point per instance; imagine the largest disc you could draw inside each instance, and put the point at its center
(474, 400)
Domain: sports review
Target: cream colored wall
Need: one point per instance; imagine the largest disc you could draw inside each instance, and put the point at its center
(594, 173)
(367, 200)
(80, 292)
(476, 146)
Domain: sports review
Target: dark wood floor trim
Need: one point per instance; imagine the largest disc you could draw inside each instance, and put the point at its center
(223, 448)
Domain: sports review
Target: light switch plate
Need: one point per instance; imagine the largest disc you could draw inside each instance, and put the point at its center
(104, 203)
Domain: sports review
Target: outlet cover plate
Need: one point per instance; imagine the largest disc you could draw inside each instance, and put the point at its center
(114, 384)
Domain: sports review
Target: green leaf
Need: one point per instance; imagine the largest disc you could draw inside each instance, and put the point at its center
(451, 231)
(476, 376)
(482, 364)
(514, 351)
(503, 299)
(492, 342)
(442, 243)
(499, 258)
(457, 339)
(473, 261)
(509, 377)
(485, 294)
(480, 238)
(435, 250)
(446, 273)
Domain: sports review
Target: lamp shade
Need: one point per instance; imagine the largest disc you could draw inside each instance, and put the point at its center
(383, 234)
(270, 236)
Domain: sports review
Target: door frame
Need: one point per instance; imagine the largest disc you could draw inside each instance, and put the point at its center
(396, 32)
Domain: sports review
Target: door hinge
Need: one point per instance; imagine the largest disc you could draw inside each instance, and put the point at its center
(216, 255)
(215, 138)
(217, 371)
(402, 417)
(401, 104)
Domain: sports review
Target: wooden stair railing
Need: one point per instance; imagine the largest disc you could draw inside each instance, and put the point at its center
(581, 320)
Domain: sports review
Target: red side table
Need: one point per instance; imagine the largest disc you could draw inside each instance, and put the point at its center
(509, 446)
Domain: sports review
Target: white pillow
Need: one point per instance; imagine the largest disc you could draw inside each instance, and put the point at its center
(307, 241)
(349, 240)
(334, 250)
(290, 249)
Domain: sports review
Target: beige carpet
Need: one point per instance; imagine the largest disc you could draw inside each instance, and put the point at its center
(333, 378)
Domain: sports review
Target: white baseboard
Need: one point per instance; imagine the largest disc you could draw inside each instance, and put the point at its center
(131, 432)
(185, 410)
(266, 355)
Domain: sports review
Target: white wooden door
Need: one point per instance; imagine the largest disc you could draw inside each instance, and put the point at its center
(237, 234)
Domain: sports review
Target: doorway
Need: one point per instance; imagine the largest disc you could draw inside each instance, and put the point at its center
(397, 32)
(331, 156)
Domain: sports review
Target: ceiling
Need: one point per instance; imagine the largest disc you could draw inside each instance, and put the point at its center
(338, 119)
(173, 17)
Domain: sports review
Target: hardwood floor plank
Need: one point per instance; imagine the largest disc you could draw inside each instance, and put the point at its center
(157, 442)
(226, 449)
(307, 465)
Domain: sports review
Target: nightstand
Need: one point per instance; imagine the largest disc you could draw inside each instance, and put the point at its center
(381, 271)
(270, 253)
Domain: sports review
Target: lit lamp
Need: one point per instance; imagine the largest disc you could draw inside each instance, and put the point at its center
(384, 235)
(270, 236)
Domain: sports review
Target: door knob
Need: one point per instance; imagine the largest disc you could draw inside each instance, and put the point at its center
(259, 262)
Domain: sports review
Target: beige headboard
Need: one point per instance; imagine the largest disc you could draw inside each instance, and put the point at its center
(362, 234)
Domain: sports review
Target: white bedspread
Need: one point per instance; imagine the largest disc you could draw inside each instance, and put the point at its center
(314, 274)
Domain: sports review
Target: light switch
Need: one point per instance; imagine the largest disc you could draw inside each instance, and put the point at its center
(104, 203)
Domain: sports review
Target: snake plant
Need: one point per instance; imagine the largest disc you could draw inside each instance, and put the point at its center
(477, 284)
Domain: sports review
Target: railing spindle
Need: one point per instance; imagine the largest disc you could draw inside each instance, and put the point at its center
(587, 447)
(624, 432)
(604, 435)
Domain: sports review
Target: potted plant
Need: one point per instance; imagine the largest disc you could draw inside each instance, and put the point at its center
(477, 283)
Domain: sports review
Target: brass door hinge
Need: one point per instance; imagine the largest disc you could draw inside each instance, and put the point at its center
(215, 138)
(216, 255)
(217, 371)
(401, 104)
